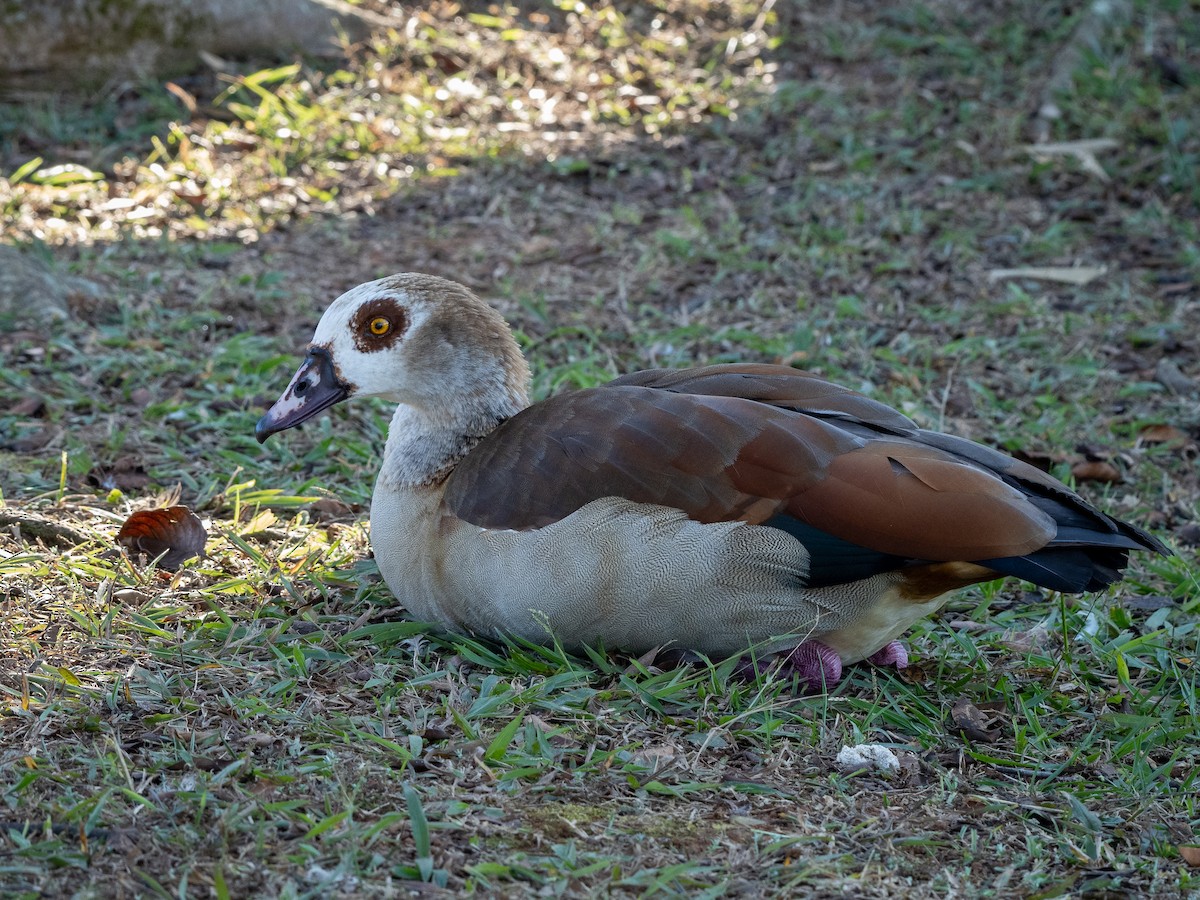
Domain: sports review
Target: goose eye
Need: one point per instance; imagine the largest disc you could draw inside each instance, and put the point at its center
(379, 326)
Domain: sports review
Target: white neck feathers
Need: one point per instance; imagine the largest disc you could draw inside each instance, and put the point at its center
(470, 386)
(422, 450)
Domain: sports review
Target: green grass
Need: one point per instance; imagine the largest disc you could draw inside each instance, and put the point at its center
(732, 183)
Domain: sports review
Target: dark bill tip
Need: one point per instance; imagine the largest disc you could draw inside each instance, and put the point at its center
(314, 387)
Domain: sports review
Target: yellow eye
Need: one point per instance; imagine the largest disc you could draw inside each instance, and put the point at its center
(379, 326)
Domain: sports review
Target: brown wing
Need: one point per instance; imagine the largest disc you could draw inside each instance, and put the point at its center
(747, 443)
(777, 385)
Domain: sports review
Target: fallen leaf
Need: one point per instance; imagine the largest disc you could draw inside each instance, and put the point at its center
(1190, 854)
(130, 595)
(1070, 148)
(1161, 433)
(913, 674)
(1062, 274)
(1127, 362)
(1189, 534)
(1094, 452)
(972, 722)
(260, 521)
(328, 510)
(126, 474)
(1026, 641)
(1036, 458)
(168, 497)
(28, 407)
(175, 534)
(1150, 602)
(970, 626)
(261, 739)
(1083, 151)
(959, 401)
(32, 440)
(1096, 470)
(657, 758)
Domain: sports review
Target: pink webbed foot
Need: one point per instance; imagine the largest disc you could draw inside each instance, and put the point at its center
(892, 654)
(818, 666)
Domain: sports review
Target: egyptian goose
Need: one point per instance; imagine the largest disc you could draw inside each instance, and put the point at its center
(710, 510)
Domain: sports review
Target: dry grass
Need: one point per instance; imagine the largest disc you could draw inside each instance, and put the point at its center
(642, 184)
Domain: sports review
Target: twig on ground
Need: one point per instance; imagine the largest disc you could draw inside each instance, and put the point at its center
(43, 529)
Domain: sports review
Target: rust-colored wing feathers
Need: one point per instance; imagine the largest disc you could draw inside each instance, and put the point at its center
(749, 443)
(913, 501)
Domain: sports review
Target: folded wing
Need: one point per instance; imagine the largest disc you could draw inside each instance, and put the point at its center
(767, 444)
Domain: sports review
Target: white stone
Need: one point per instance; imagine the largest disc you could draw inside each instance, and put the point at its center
(875, 757)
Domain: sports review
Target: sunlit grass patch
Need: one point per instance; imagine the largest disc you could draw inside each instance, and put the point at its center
(451, 90)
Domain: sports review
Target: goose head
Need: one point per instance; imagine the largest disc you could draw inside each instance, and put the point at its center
(417, 340)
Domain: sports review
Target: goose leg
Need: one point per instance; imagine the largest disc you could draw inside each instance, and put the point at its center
(818, 666)
(892, 654)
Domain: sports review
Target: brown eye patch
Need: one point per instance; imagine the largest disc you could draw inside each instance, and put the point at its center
(378, 324)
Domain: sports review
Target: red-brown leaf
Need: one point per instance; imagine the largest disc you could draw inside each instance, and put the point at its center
(1096, 470)
(175, 533)
(1162, 433)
